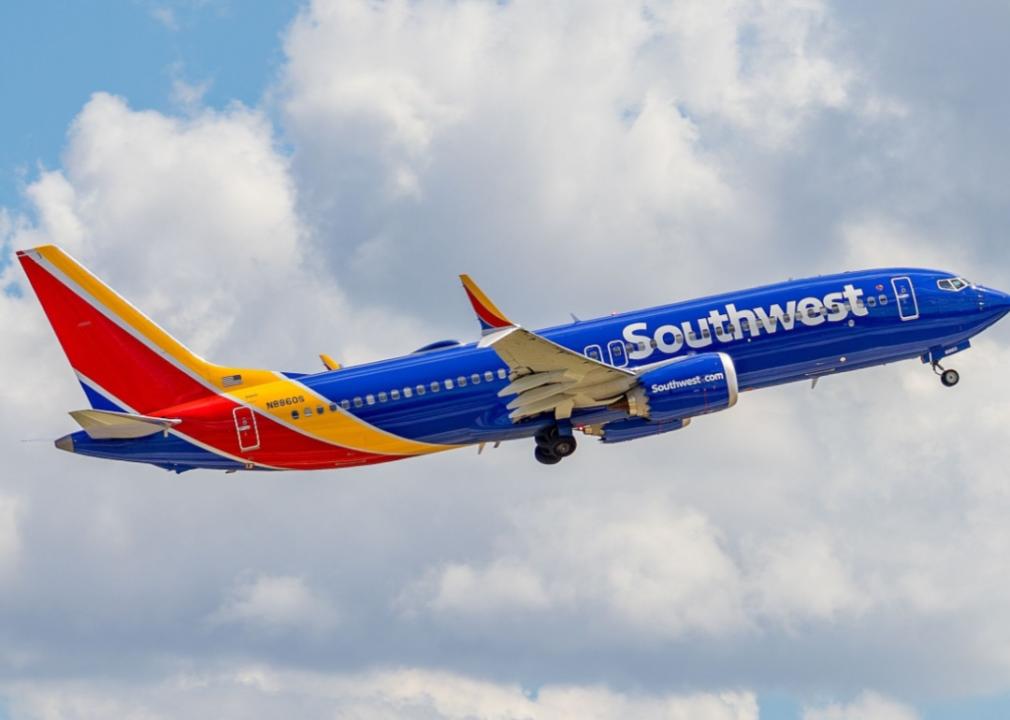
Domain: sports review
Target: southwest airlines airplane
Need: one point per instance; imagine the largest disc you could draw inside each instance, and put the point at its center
(618, 378)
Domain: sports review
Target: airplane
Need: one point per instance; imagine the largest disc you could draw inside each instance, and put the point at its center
(618, 378)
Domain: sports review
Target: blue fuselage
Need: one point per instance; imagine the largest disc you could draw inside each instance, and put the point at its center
(775, 334)
(888, 327)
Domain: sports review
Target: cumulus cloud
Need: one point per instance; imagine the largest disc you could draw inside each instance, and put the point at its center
(657, 570)
(582, 157)
(270, 604)
(868, 706)
(544, 136)
(800, 576)
(265, 692)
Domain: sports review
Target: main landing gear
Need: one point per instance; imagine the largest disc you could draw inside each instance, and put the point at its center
(949, 378)
(554, 444)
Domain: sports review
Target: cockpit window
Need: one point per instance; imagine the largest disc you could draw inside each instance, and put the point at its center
(953, 284)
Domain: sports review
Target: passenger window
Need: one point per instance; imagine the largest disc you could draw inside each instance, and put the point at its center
(461, 381)
(394, 394)
(383, 397)
(357, 402)
(475, 379)
(488, 376)
(320, 410)
(407, 392)
(294, 414)
(435, 387)
(502, 374)
(871, 301)
(883, 299)
(594, 352)
(333, 407)
(345, 404)
(370, 399)
(308, 412)
(448, 384)
(420, 389)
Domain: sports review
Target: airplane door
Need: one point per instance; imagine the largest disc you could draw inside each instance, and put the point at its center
(618, 355)
(245, 426)
(904, 293)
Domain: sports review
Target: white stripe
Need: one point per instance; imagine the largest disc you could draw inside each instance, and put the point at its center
(95, 303)
(209, 448)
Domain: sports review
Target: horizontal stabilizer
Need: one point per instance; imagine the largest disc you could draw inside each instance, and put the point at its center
(108, 425)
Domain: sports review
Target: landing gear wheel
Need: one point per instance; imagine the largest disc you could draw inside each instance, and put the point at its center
(547, 437)
(545, 456)
(950, 378)
(563, 446)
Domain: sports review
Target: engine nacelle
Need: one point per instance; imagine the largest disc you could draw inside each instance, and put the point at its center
(695, 385)
(633, 428)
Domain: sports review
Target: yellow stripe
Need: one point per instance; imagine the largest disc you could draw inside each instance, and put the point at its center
(257, 387)
(214, 375)
(483, 299)
(340, 427)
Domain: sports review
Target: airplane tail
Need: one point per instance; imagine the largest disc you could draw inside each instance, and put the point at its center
(124, 361)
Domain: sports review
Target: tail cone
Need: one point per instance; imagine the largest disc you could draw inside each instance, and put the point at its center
(65, 443)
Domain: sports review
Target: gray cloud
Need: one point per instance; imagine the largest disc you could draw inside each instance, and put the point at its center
(821, 542)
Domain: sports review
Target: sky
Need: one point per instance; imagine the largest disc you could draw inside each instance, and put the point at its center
(274, 180)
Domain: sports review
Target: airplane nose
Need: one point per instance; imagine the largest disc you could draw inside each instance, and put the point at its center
(995, 299)
(65, 443)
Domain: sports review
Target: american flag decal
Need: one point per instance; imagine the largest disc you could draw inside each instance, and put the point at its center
(231, 380)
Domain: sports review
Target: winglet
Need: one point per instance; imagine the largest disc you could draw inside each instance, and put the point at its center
(328, 362)
(488, 315)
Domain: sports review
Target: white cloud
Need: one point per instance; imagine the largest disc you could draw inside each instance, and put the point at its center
(264, 692)
(545, 136)
(657, 569)
(165, 15)
(868, 706)
(599, 155)
(276, 603)
(886, 242)
(800, 576)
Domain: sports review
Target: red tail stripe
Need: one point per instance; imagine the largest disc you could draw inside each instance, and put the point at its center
(133, 373)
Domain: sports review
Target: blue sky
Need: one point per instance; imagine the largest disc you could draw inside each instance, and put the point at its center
(383, 147)
(122, 47)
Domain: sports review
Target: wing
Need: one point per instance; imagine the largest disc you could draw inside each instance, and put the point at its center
(546, 377)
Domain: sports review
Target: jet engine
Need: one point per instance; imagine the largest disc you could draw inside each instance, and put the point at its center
(694, 385)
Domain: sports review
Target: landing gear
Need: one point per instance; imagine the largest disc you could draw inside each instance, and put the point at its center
(554, 444)
(949, 378)
(545, 456)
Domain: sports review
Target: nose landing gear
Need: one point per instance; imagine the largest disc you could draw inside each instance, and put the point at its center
(554, 444)
(949, 378)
